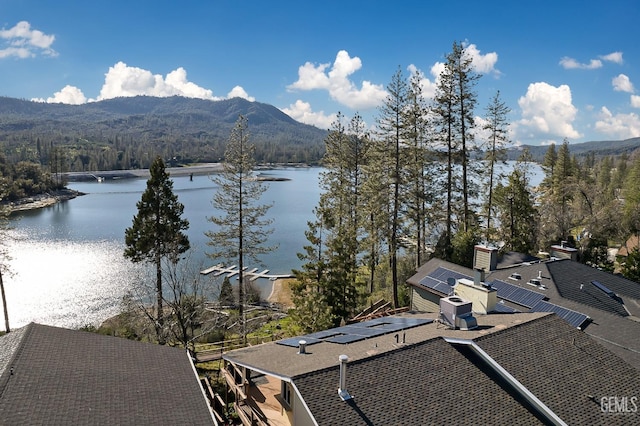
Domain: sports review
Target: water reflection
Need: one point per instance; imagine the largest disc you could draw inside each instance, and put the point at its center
(66, 283)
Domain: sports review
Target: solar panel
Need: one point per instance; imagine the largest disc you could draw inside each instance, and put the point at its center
(505, 309)
(345, 338)
(515, 294)
(438, 280)
(358, 331)
(574, 318)
(604, 288)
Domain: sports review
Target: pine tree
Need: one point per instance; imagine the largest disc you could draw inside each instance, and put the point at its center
(157, 231)
(464, 79)
(312, 311)
(340, 214)
(226, 297)
(497, 125)
(242, 230)
(444, 122)
(392, 130)
(419, 167)
(516, 213)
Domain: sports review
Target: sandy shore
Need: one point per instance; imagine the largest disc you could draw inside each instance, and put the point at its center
(281, 293)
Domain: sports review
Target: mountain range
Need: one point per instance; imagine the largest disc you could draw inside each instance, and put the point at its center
(191, 129)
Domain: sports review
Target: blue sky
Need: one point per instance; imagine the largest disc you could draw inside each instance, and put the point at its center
(566, 69)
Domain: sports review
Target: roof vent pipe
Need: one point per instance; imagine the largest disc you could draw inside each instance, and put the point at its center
(302, 347)
(342, 390)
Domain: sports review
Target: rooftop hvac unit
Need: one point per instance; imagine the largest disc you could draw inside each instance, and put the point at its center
(457, 313)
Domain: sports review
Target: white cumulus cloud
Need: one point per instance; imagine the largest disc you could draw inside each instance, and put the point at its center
(301, 111)
(338, 83)
(239, 92)
(123, 80)
(68, 95)
(621, 83)
(547, 111)
(483, 64)
(615, 57)
(570, 63)
(635, 101)
(619, 126)
(24, 42)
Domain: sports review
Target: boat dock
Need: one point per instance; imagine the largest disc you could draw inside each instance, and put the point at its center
(233, 270)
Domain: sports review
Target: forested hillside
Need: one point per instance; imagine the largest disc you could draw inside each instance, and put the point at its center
(597, 149)
(128, 133)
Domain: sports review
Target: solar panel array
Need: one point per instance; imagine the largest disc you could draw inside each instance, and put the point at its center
(358, 331)
(515, 294)
(505, 309)
(574, 318)
(437, 280)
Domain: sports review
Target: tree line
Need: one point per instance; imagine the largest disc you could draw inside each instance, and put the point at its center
(413, 188)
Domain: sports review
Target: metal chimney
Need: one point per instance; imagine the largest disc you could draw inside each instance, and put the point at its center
(302, 347)
(342, 390)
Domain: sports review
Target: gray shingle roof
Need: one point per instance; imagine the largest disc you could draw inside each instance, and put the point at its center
(430, 383)
(611, 325)
(63, 377)
(569, 275)
(566, 369)
(441, 382)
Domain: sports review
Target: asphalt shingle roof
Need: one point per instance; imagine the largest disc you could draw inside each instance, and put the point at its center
(611, 324)
(436, 382)
(430, 383)
(57, 376)
(569, 275)
(566, 369)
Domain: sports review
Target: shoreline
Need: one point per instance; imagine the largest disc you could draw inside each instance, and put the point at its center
(42, 200)
(281, 293)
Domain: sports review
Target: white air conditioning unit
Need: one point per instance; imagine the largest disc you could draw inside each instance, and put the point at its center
(457, 313)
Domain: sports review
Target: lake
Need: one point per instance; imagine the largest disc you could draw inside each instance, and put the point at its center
(69, 265)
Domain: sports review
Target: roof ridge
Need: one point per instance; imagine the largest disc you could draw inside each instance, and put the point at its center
(26, 331)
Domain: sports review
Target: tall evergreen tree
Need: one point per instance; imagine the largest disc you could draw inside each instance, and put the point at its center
(340, 214)
(453, 107)
(465, 98)
(444, 122)
(392, 129)
(419, 167)
(312, 311)
(157, 231)
(242, 230)
(496, 124)
(516, 213)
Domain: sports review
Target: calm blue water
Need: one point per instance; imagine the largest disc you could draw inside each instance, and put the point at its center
(68, 263)
(69, 266)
